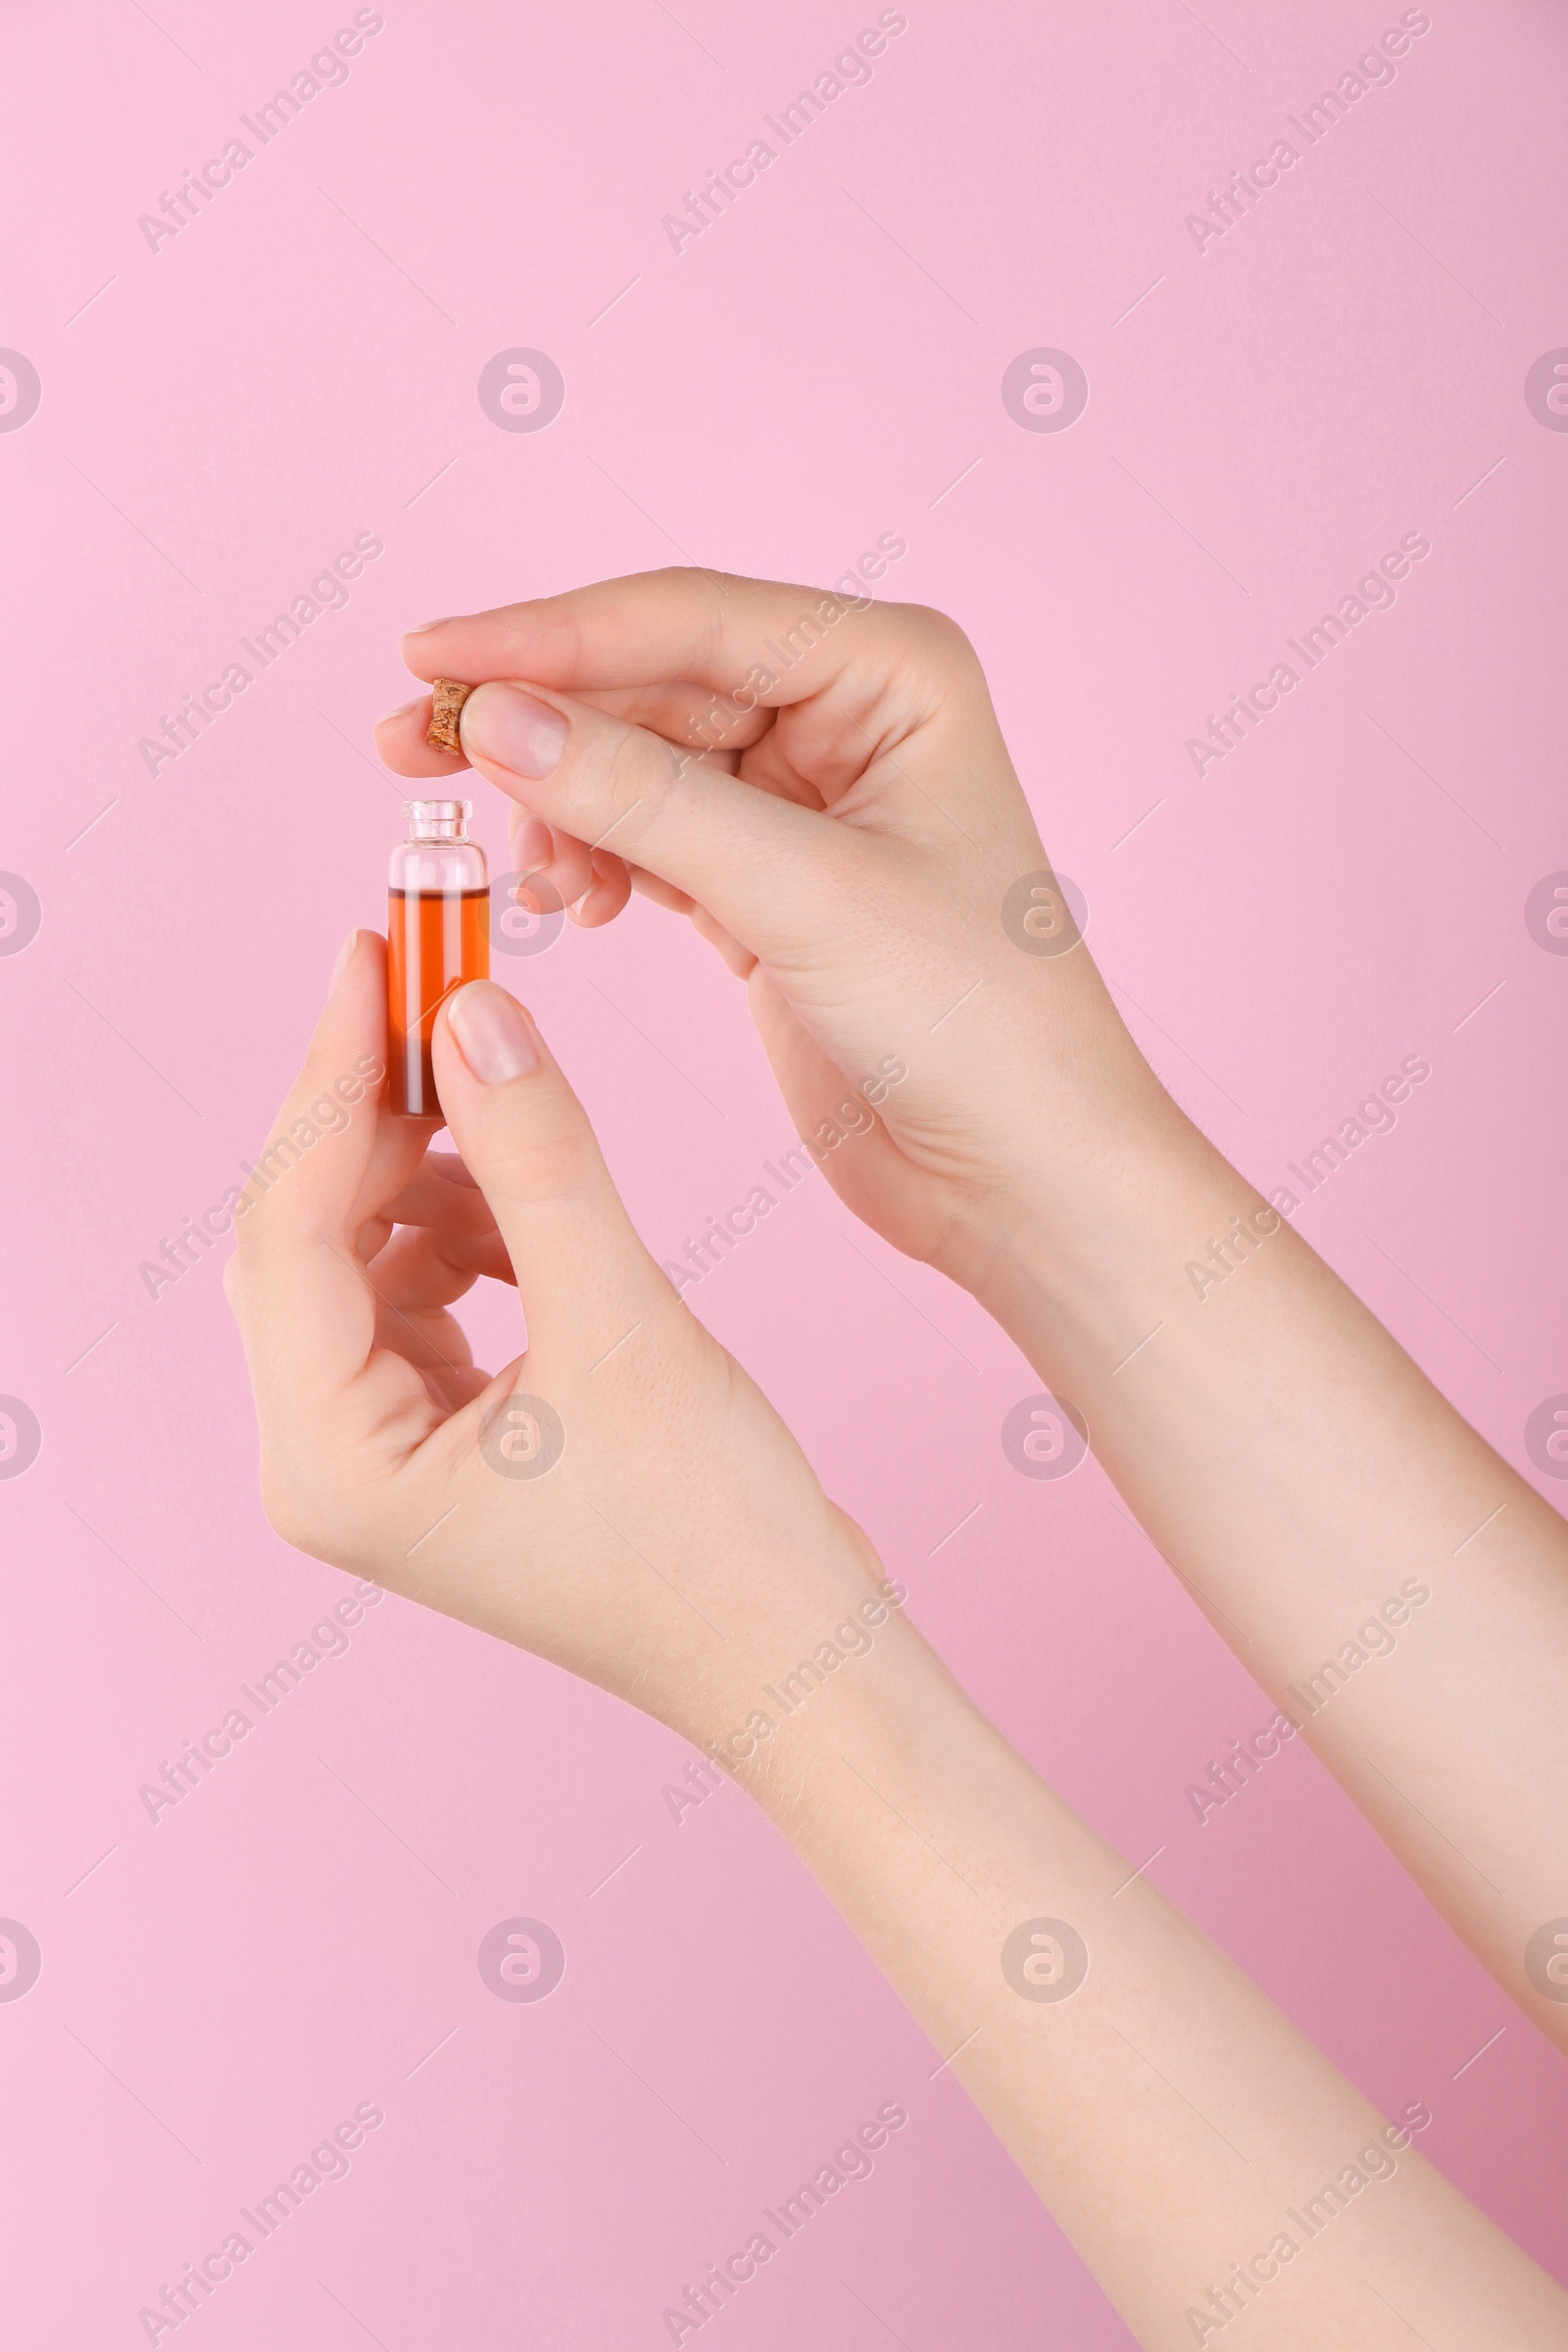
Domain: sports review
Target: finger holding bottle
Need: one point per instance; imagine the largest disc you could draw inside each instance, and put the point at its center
(591, 886)
(620, 1498)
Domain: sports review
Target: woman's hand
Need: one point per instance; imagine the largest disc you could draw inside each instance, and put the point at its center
(825, 790)
(620, 1498)
(859, 845)
(623, 1501)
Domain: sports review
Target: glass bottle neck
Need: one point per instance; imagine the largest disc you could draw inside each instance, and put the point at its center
(437, 820)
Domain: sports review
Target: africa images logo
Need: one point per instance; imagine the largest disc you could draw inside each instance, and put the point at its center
(20, 391)
(521, 1960)
(21, 1960)
(522, 390)
(1045, 390)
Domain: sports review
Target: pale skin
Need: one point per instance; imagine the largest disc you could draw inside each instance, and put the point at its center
(847, 844)
(678, 1550)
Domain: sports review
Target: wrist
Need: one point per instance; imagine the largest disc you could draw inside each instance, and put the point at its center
(901, 1799)
(1077, 1121)
(1089, 1248)
(809, 1681)
(813, 1614)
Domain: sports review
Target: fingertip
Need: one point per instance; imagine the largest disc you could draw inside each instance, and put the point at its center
(736, 955)
(417, 645)
(349, 1042)
(404, 726)
(341, 965)
(607, 896)
(360, 966)
(323, 1137)
(663, 893)
(569, 866)
(400, 743)
(494, 1035)
(510, 727)
(530, 841)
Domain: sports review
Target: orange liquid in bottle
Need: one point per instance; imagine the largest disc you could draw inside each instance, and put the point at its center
(436, 940)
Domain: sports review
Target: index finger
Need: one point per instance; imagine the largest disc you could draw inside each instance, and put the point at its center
(305, 1313)
(709, 629)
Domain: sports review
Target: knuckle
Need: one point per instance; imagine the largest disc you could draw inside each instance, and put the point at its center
(305, 1513)
(938, 633)
(292, 1515)
(633, 755)
(248, 1228)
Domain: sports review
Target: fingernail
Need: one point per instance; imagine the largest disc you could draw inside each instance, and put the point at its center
(342, 963)
(504, 725)
(403, 709)
(424, 628)
(493, 1033)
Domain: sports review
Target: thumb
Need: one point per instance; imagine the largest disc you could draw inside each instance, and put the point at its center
(584, 1279)
(753, 858)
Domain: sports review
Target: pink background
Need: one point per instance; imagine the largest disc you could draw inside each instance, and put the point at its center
(299, 364)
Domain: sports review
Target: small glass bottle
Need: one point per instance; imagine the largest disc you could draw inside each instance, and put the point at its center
(437, 938)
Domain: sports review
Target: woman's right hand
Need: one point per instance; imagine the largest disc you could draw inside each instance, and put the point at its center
(859, 847)
(856, 845)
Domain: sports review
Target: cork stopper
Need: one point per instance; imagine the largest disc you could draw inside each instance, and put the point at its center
(448, 696)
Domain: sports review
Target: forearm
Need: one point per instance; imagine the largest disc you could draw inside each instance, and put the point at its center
(1399, 1593)
(1173, 2121)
